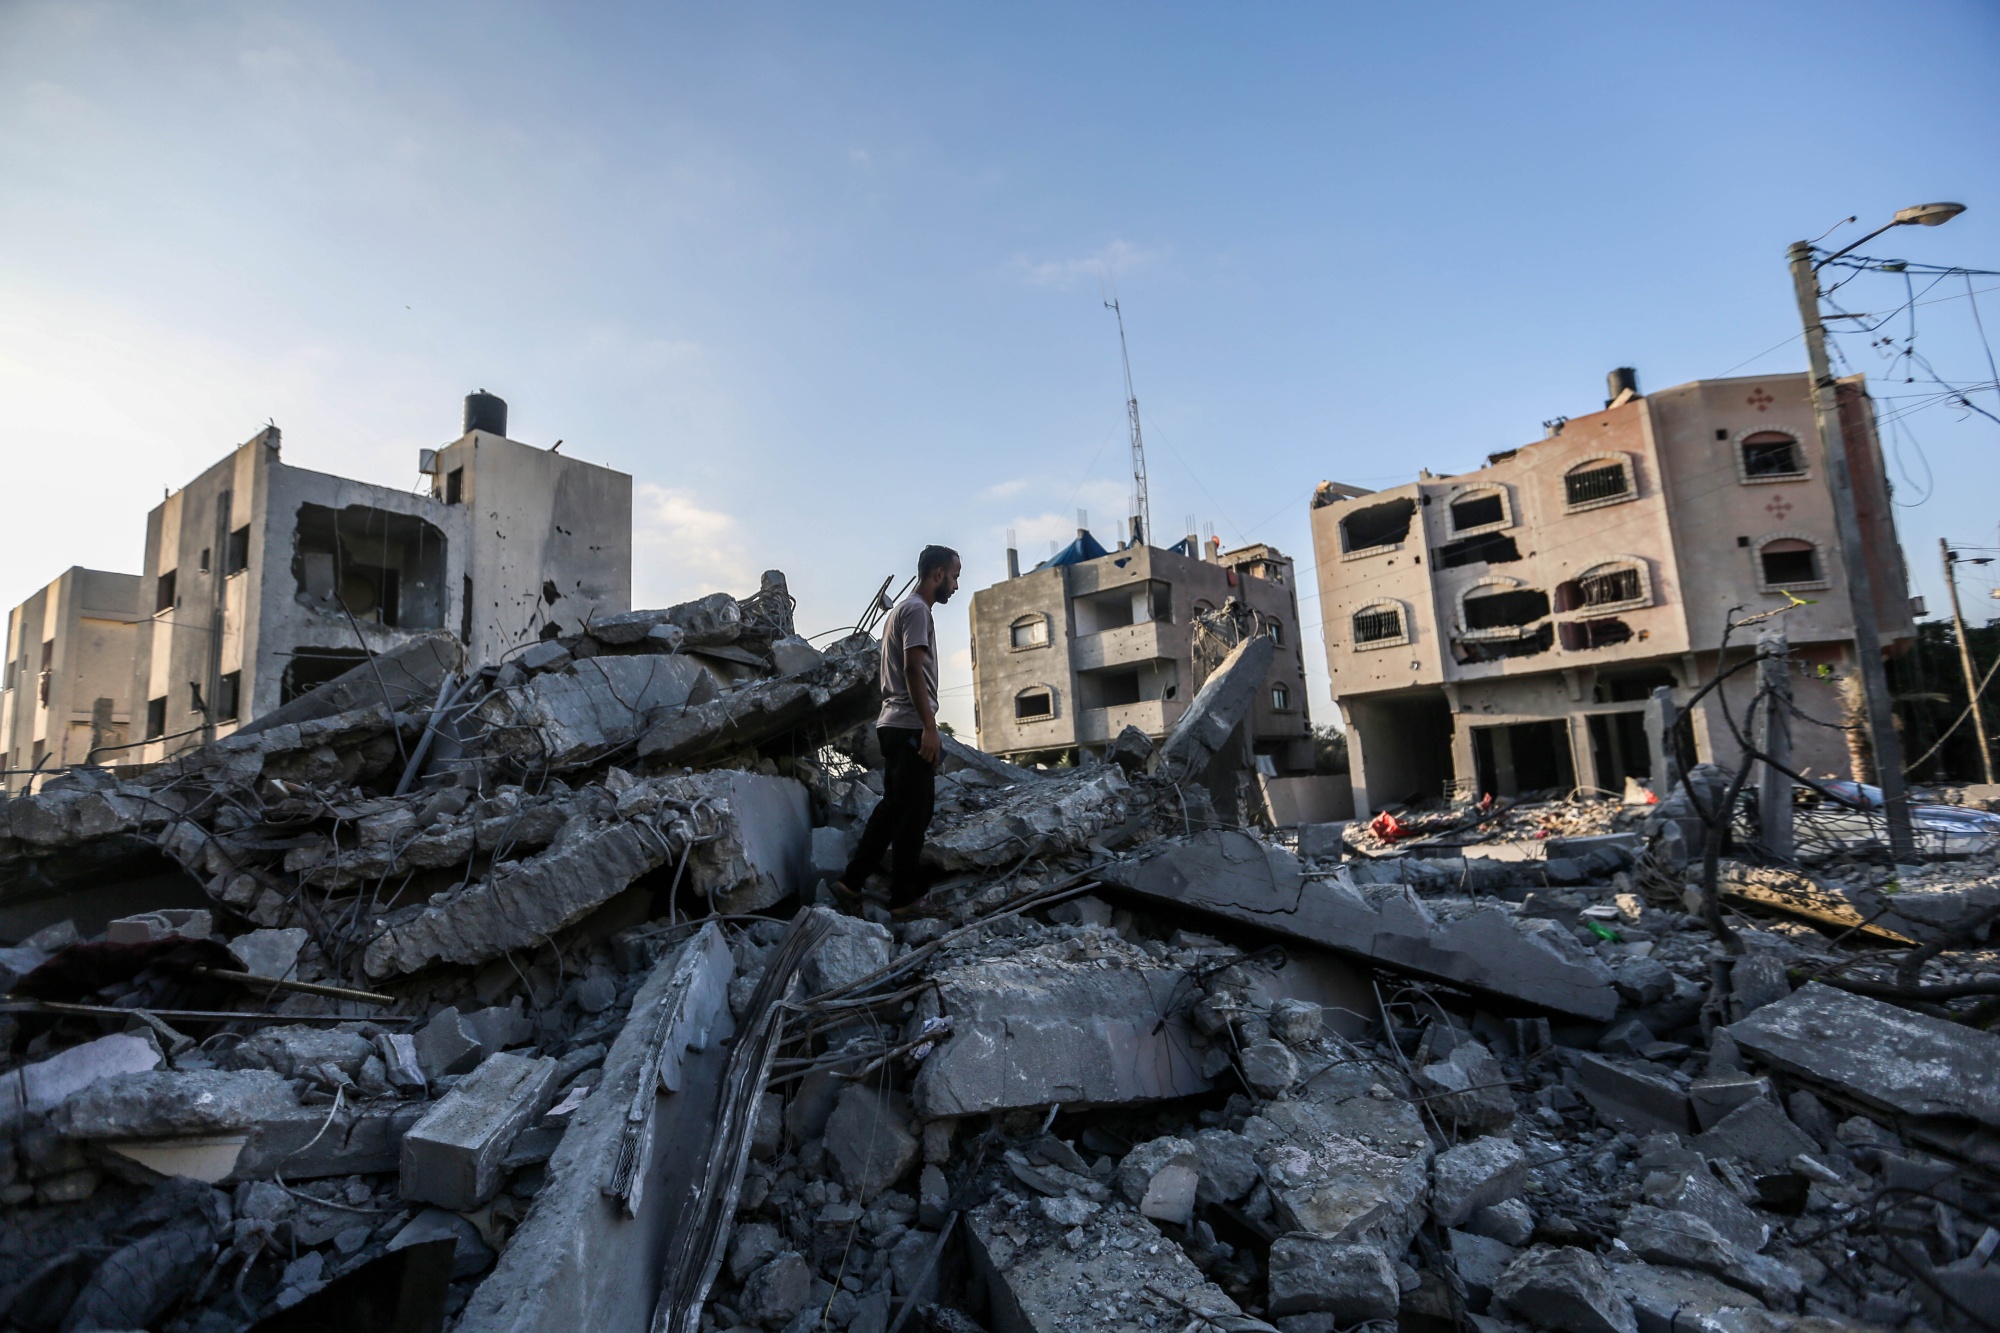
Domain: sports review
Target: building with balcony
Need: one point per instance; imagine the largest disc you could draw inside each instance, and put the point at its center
(1503, 630)
(1069, 654)
(263, 580)
(66, 688)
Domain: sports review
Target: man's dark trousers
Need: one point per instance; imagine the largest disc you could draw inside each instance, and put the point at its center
(908, 791)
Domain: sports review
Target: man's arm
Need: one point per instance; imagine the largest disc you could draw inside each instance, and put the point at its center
(914, 657)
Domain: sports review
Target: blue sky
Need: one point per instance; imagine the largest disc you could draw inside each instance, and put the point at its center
(825, 278)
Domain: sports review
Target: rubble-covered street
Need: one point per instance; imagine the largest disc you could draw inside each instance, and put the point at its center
(516, 1000)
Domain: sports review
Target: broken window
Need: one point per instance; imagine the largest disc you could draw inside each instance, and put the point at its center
(1470, 650)
(1580, 635)
(237, 558)
(1277, 632)
(1771, 453)
(1378, 624)
(1492, 548)
(1597, 481)
(1281, 699)
(1377, 525)
(1505, 608)
(1787, 560)
(378, 566)
(156, 718)
(1605, 587)
(163, 592)
(229, 696)
(1030, 632)
(311, 668)
(1477, 511)
(1115, 689)
(1030, 705)
(454, 486)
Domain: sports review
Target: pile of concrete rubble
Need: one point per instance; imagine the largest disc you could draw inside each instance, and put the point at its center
(513, 999)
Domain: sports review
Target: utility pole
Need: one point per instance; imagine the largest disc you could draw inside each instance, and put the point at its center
(1965, 659)
(1774, 738)
(1142, 505)
(1860, 580)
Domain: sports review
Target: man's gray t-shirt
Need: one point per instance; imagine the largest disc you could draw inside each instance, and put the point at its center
(909, 626)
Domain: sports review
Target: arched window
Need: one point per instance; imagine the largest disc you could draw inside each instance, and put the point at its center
(1030, 632)
(1603, 480)
(1771, 455)
(1380, 625)
(1037, 703)
(1377, 528)
(1500, 609)
(1789, 561)
(1610, 585)
(1281, 699)
(1478, 509)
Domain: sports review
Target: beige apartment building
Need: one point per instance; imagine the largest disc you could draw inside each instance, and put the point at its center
(66, 688)
(1503, 630)
(1069, 654)
(263, 580)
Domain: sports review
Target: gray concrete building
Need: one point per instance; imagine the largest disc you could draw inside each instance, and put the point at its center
(263, 580)
(1503, 629)
(66, 688)
(1069, 654)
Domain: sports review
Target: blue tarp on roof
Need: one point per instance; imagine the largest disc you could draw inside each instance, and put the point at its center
(1085, 547)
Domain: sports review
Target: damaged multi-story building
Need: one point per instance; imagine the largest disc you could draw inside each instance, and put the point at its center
(263, 580)
(67, 689)
(1070, 653)
(1503, 630)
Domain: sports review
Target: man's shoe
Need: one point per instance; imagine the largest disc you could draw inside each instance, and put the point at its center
(850, 900)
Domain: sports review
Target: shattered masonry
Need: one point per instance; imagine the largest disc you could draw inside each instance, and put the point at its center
(514, 999)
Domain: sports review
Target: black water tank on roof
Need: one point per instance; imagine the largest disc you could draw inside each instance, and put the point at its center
(1615, 383)
(485, 411)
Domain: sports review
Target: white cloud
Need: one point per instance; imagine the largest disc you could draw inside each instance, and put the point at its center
(682, 550)
(1119, 257)
(1007, 489)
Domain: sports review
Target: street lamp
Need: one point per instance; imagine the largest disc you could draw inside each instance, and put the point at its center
(1860, 580)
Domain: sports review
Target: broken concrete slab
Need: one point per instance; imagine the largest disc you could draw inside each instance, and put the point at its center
(1217, 708)
(562, 719)
(1110, 1270)
(1886, 1057)
(1718, 1094)
(1047, 817)
(578, 1260)
(1468, 1089)
(834, 695)
(1632, 1096)
(1313, 1276)
(1235, 875)
(270, 953)
(1696, 1192)
(1345, 1160)
(187, 922)
(32, 1089)
(1041, 1028)
(1565, 1289)
(1472, 1175)
(1479, 1261)
(1676, 1300)
(403, 679)
(745, 837)
(452, 1156)
(1757, 1132)
(1682, 1240)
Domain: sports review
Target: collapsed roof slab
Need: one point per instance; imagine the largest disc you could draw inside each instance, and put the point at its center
(1229, 873)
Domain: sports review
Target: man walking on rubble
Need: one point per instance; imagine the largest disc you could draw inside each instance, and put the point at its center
(907, 730)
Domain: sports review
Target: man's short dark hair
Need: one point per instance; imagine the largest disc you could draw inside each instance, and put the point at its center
(934, 557)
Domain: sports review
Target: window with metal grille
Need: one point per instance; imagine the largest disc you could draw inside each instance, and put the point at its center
(1609, 588)
(1789, 560)
(1477, 511)
(1770, 454)
(1378, 623)
(1603, 482)
(1031, 704)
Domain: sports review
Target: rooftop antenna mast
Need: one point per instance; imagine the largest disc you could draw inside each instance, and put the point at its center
(1142, 507)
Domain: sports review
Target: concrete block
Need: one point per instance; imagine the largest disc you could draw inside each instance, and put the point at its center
(1682, 1240)
(1227, 1162)
(1479, 1261)
(1159, 1178)
(1343, 1162)
(443, 1046)
(548, 655)
(852, 950)
(1269, 1067)
(933, 1198)
(1882, 1055)
(1564, 1289)
(1472, 1175)
(793, 655)
(400, 1062)
(452, 1156)
(1717, 1095)
(868, 1143)
(1510, 1222)
(601, 703)
(1323, 841)
(778, 1290)
(1759, 1133)
(1677, 1300)
(1217, 707)
(1468, 1089)
(188, 922)
(16, 963)
(470, 1253)
(1030, 1031)
(1755, 980)
(832, 849)
(1232, 874)
(1350, 1282)
(1632, 1097)
(1296, 1022)
(293, 1050)
(751, 1248)
(1697, 1193)
(269, 953)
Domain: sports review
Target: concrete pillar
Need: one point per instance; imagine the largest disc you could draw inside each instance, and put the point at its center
(1662, 714)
